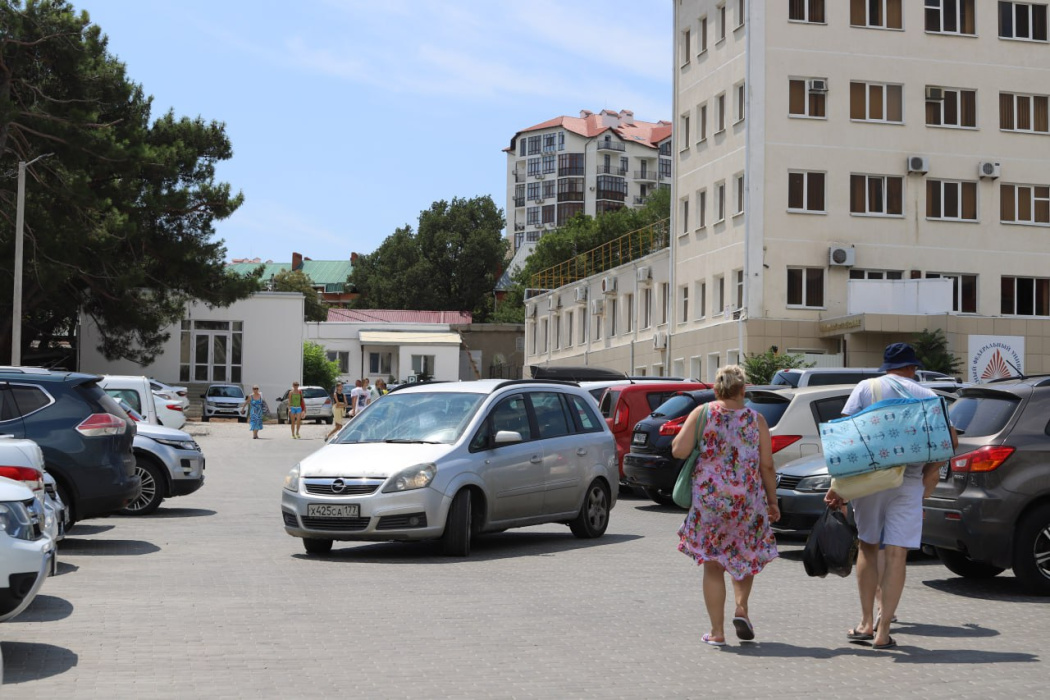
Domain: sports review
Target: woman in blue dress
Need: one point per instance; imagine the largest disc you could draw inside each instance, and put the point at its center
(256, 412)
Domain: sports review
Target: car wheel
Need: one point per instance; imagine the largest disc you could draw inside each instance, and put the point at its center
(205, 419)
(661, 497)
(152, 494)
(314, 545)
(1032, 551)
(280, 421)
(328, 420)
(962, 565)
(594, 513)
(456, 540)
(241, 419)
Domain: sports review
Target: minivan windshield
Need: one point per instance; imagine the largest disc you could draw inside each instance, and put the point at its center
(423, 417)
(785, 378)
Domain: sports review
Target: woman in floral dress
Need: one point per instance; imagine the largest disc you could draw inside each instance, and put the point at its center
(734, 500)
(256, 412)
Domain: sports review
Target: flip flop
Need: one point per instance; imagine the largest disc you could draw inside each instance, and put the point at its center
(888, 645)
(854, 636)
(744, 629)
(708, 639)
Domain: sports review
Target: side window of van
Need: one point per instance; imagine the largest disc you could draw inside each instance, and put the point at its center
(550, 414)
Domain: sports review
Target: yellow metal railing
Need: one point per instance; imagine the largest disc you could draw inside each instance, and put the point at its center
(619, 251)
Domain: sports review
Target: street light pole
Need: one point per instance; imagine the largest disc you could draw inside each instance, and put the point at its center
(16, 304)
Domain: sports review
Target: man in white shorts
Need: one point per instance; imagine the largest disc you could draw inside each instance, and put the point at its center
(892, 517)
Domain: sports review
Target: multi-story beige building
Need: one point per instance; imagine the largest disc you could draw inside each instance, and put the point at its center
(846, 174)
(592, 164)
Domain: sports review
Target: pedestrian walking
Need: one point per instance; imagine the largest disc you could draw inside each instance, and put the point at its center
(358, 398)
(256, 411)
(295, 409)
(734, 500)
(338, 409)
(373, 393)
(892, 517)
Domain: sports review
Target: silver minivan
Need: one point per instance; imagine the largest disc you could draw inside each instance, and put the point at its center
(453, 460)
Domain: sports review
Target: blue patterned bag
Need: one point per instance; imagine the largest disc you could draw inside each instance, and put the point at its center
(889, 433)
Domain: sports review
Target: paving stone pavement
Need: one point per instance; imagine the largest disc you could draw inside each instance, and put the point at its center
(208, 598)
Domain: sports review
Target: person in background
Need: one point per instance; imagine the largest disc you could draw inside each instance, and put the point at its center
(373, 394)
(358, 398)
(295, 409)
(256, 411)
(338, 409)
(381, 387)
(734, 500)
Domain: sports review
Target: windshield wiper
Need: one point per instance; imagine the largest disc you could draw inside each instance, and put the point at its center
(407, 441)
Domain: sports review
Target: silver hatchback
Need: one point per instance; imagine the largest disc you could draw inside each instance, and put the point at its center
(452, 461)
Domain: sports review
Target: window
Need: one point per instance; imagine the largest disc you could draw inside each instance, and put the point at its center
(950, 16)
(876, 195)
(532, 216)
(803, 102)
(130, 396)
(665, 302)
(1022, 20)
(701, 117)
(568, 328)
(665, 168)
(805, 192)
(535, 335)
(583, 328)
(720, 295)
(855, 274)
(550, 163)
(423, 365)
(611, 313)
(721, 23)
(876, 102)
(720, 105)
(342, 358)
(687, 51)
(876, 14)
(720, 202)
(547, 213)
(598, 327)
(738, 276)
(701, 299)
(741, 102)
(684, 295)
(685, 215)
(571, 164)
(1023, 113)
(951, 107)
(1024, 204)
(534, 145)
(951, 201)
(522, 147)
(549, 189)
(740, 192)
(1025, 296)
(741, 11)
(557, 331)
(701, 209)
(806, 11)
(550, 143)
(805, 286)
(628, 312)
(685, 131)
(379, 362)
(589, 421)
(543, 345)
(533, 167)
(964, 291)
(533, 191)
(647, 308)
(701, 40)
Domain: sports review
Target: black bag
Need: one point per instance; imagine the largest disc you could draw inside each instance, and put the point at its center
(832, 545)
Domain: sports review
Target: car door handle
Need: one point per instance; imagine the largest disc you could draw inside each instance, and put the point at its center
(581, 451)
(536, 459)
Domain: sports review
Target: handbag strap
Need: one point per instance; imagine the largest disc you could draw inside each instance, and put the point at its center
(701, 423)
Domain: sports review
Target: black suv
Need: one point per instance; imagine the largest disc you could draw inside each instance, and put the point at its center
(991, 509)
(649, 465)
(84, 435)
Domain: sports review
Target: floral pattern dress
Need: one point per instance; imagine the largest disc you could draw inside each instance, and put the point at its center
(256, 409)
(728, 521)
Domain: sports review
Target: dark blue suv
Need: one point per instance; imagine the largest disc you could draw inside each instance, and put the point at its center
(84, 435)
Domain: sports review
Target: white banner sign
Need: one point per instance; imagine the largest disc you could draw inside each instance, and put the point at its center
(995, 357)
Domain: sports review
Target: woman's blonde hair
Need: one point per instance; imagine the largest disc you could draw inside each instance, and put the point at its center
(729, 381)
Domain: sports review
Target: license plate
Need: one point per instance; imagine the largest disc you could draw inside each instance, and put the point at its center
(639, 439)
(944, 471)
(328, 510)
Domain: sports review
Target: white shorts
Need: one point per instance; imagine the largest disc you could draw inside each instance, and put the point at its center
(892, 517)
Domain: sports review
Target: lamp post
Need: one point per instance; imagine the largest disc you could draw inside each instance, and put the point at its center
(16, 302)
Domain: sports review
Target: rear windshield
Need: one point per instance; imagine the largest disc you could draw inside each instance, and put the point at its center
(784, 378)
(656, 398)
(676, 406)
(979, 416)
(315, 393)
(827, 378)
(771, 407)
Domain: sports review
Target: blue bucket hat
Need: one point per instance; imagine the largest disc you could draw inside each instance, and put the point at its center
(899, 355)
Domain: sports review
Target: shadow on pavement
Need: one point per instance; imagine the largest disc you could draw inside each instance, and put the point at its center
(45, 608)
(73, 546)
(65, 567)
(163, 512)
(1005, 588)
(483, 548)
(31, 661)
(902, 653)
(80, 529)
(921, 629)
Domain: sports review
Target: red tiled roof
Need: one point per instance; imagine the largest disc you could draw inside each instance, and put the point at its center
(397, 316)
(590, 125)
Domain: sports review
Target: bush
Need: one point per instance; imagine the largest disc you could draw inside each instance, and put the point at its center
(761, 368)
(318, 370)
(931, 348)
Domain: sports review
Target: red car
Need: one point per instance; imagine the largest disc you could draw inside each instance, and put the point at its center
(624, 405)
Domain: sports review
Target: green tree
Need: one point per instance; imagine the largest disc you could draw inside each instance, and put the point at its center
(318, 370)
(450, 264)
(119, 220)
(761, 368)
(298, 281)
(931, 348)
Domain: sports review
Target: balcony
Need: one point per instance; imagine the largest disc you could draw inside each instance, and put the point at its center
(519, 177)
(619, 251)
(571, 171)
(570, 197)
(519, 201)
(614, 195)
(610, 145)
(640, 199)
(645, 175)
(519, 227)
(612, 170)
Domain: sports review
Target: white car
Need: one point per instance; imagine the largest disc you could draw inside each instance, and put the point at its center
(26, 550)
(175, 393)
(158, 409)
(795, 414)
(22, 460)
(317, 405)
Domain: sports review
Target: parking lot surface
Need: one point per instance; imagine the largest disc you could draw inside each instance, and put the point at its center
(208, 598)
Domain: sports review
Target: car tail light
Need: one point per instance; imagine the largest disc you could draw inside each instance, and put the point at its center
(30, 476)
(327, 402)
(181, 393)
(782, 441)
(173, 406)
(621, 417)
(984, 459)
(672, 427)
(98, 424)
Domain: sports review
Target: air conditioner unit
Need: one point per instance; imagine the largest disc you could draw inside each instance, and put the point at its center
(598, 307)
(659, 340)
(918, 164)
(645, 274)
(609, 284)
(539, 176)
(841, 255)
(988, 169)
(581, 295)
(934, 93)
(817, 85)
(537, 201)
(554, 303)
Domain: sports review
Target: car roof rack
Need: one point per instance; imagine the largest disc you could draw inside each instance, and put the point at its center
(512, 382)
(577, 374)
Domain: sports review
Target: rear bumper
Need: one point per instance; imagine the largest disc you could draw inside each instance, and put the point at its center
(798, 510)
(650, 471)
(981, 528)
(109, 503)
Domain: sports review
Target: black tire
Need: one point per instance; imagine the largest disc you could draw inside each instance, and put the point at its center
(455, 542)
(1032, 549)
(280, 421)
(242, 420)
(154, 487)
(314, 545)
(662, 497)
(329, 420)
(962, 565)
(205, 419)
(594, 513)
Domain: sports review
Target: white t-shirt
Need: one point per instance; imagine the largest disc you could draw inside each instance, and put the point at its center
(359, 398)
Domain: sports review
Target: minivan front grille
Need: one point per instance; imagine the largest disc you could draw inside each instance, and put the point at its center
(345, 524)
(346, 487)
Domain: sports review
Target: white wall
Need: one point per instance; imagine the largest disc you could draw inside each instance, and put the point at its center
(345, 337)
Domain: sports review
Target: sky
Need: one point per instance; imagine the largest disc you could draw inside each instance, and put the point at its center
(350, 117)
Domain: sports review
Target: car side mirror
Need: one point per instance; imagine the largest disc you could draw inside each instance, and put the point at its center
(507, 437)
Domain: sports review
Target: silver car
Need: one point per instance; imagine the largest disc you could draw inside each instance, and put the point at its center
(317, 405)
(455, 460)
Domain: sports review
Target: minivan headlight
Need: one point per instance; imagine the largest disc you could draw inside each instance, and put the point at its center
(15, 520)
(416, 477)
(815, 483)
(291, 482)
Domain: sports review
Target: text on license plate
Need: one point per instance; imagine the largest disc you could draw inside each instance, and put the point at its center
(944, 471)
(639, 439)
(330, 510)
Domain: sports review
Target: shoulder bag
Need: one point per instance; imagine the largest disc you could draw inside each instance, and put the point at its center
(683, 486)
